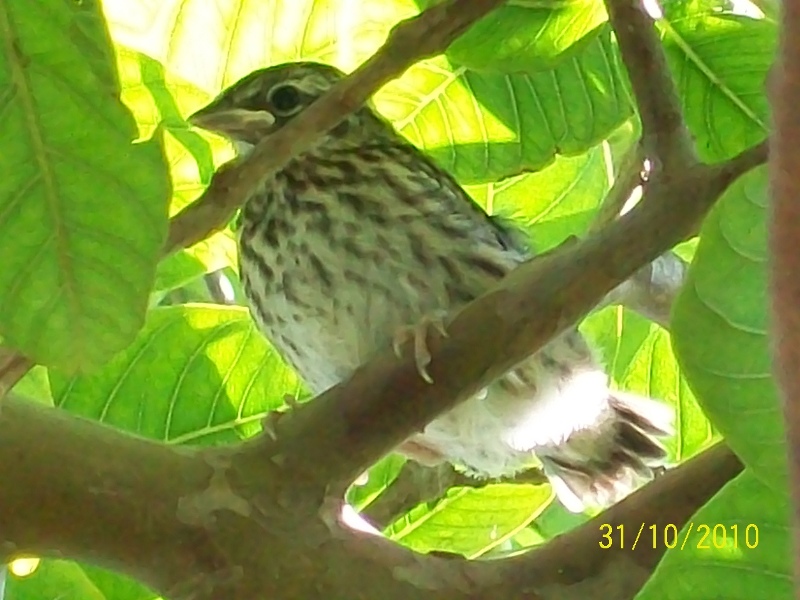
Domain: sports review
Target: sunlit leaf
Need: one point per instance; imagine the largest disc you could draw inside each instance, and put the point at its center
(195, 374)
(721, 334)
(738, 545)
(82, 208)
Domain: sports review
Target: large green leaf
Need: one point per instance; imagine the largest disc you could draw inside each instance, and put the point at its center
(484, 126)
(82, 207)
(195, 374)
(737, 547)
(158, 99)
(527, 36)
(480, 126)
(720, 63)
(471, 521)
(35, 386)
(53, 578)
(720, 329)
(553, 203)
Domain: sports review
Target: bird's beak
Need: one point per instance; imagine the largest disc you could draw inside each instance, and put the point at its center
(235, 123)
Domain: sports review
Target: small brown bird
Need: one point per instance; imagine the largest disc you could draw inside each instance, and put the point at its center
(362, 239)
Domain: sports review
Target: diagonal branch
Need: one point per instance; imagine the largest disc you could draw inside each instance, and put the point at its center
(13, 367)
(425, 35)
(627, 177)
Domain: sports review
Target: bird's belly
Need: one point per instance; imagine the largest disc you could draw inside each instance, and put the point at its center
(327, 316)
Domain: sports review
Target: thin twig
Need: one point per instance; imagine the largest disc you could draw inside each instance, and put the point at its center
(13, 367)
(627, 178)
(427, 34)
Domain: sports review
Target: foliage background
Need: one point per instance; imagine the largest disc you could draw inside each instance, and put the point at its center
(530, 110)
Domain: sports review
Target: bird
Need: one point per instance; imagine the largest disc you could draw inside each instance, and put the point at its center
(363, 240)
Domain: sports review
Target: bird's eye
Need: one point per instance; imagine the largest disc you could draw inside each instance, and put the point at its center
(285, 99)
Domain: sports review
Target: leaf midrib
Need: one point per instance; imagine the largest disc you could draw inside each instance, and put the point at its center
(25, 97)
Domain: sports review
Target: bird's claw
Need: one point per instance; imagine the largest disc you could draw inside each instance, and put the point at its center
(419, 333)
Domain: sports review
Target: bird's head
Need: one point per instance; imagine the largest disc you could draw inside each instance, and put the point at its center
(265, 100)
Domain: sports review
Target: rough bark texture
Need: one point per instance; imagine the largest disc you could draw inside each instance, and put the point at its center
(784, 230)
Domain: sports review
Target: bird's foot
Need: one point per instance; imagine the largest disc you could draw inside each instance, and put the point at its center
(419, 333)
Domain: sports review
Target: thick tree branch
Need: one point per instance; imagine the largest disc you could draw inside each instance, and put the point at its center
(784, 231)
(427, 34)
(207, 524)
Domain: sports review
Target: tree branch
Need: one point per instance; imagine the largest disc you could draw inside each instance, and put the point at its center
(652, 290)
(13, 367)
(626, 179)
(207, 524)
(427, 34)
(784, 233)
(617, 572)
(665, 137)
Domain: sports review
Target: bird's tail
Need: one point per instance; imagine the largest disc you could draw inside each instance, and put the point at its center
(600, 465)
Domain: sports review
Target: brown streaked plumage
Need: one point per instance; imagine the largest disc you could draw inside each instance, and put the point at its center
(363, 235)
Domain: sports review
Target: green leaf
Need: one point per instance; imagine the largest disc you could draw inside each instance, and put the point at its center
(116, 586)
(159, 99)
(64, 579)
(35, 386)
(722, 88)
(555, 520)
(195, 374)
(187, 265)
(557, 201)
(720, 329)
(53, 579)
(189, 180)
(379, 477)
(484, 127)
(82, 207)
(528, 36)
(471, 521)
(737, 547)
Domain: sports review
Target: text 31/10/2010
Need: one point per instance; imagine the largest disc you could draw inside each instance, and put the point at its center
(700, 537)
